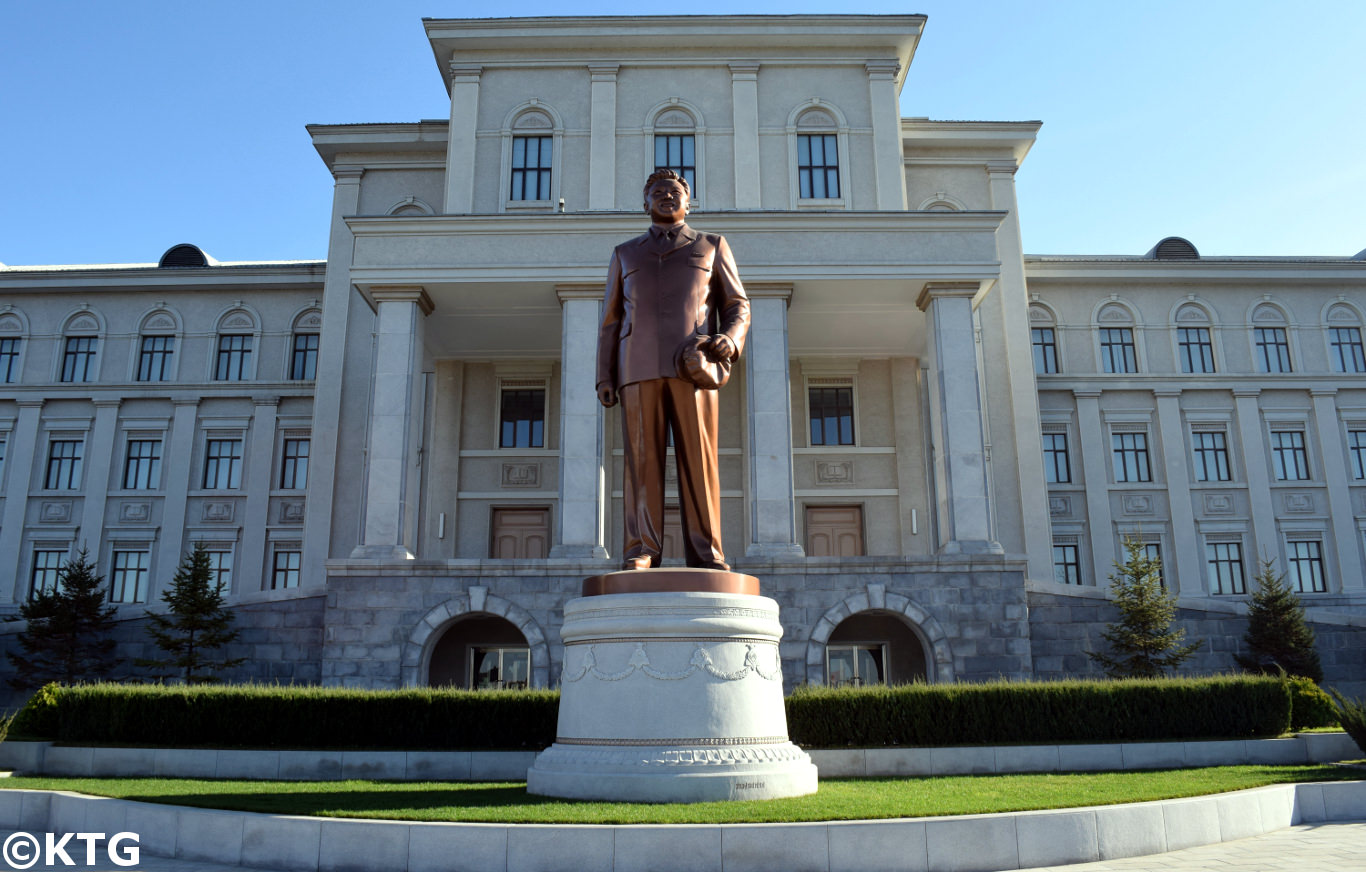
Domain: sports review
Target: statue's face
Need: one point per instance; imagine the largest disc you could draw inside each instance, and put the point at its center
(667, 202)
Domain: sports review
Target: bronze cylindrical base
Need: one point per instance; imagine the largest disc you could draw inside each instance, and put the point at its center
(671, 580)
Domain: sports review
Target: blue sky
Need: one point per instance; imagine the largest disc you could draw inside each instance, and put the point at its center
(131, 125)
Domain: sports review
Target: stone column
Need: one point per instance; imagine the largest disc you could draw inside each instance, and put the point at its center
(460, 144)
(960, 468)
(260, 457)
(391, 492)
(176, 478)
(582, 514)
(887, 167)
(21, 460)
(99, 457)
(768, 395)
(1185, 550)
(744, 97)
(602, 137)
(1258, 479)
(1335, 473)
(1095, 459)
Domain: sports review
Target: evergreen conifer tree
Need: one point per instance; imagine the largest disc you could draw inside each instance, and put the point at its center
(1142, 642)
(1278, 637)
(68, 635)
(196, 624)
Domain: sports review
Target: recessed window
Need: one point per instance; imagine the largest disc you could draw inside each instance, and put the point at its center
(1130, 452)
(1195, 349)
(818, 166)
(294, 464)
(1224, 562)
(128, 579)
(521, 418)
(678, 152)
(234, 358)
(856, 665)
(1289, 460)
(832, 415)
(303, 363)
(1346, 351)
(1117, 350)
(531, 165)
(1356, 447)
(47, 566)
(220, 568)
(1153, 552)
(9, 360)
(1066, 563)
(1210, 450)
(285, 571)
(1057, 469)
(1304, 560)
(78, 358)
(1045, 343)
(1273, 349)
(142, 466)
(223, 464)
(154, 358)
(500, 668)
(63, 464)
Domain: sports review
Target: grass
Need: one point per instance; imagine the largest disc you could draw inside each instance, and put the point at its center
(837, 799)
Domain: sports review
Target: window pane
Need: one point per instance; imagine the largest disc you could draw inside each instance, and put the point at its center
(142, 469)
(9, 360)
(1347, 354)
(154, 358)
(1066, 563)
(304, 363)
(818, 166)
(223, 464)
(522, 418)
(1045, 350)
(128, 580)
(832, 416)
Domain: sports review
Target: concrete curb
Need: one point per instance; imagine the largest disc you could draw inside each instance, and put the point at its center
(45, 758)
(974, 843)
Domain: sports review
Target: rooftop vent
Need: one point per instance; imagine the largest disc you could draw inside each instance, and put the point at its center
(184, 256)
(1174, 248)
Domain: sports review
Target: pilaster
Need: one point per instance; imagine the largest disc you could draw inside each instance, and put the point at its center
(460, 142)
(744, 92)
(176, 474)
(1185, 550)
(768, 397)
(886, 112)
(1335, 473)
(581, 519)
(99, 453)
(1258, 478)
(1094, 465)
(19, 457)
(602, 138)
(260, 458)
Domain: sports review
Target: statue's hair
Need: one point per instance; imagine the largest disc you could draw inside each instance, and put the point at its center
(661, 175)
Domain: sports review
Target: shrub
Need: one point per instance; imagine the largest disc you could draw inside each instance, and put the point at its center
(38, 719)
(1352, 716)
(1310, 705)
(1278, 638)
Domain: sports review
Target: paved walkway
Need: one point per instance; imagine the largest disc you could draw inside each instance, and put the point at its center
(1336, 847)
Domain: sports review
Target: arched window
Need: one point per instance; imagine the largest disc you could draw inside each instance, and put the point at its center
(1194, 339)
(13, 332)
(303, 354)
(532, 139)
(676, 143)
(1043, 337)
(81, 340)
(1271, 351)
(1343, 330)
(237, 346)
(158, 340)
(1116, 340)
(819, 153)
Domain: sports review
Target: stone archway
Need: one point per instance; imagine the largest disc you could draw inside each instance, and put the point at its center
(417, 650)
(939, 660)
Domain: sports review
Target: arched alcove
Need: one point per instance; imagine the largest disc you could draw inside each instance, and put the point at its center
(874, 647)
(921, 631)
(480, 651)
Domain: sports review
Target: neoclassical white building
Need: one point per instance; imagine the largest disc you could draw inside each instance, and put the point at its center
(930, 455)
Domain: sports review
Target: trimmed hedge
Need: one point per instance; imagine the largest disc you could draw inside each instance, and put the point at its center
(1040, 712)
(268, 716)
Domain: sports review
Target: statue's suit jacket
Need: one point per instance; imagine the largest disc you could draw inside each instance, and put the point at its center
(656, 300)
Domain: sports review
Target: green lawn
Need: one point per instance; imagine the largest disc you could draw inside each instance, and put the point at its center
(838, 799)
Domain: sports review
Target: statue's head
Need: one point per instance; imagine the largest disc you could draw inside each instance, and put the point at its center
(667, 196)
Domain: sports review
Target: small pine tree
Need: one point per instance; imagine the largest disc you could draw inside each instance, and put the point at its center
(1142, 642)
(68, 635)
(1278, 637)
(197, 622)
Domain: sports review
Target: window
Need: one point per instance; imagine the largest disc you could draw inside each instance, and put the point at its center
(1117, 349)
(1225, 564)
(142, 468)
(1347, 353)
(128, 581)
(9, 360)
(1305, 561)
(304, 362)
(1153, 551)
(1211, 456)
(154, 358)
(1196, 349)
(818, 166)
(1045, 345)
(47, 567)
(220, 569)
(4, 442)
(223, 464)
(1056, 468)
(832, 415)
(294, 465)
(1131, 457)
(531, 163)
(78, 360)
(234, 358)
(500, 668)
(63, 464)
(286, 570)
(677, 152)
(1273, 349)
(521, 418)
(1288, 457)
(1066, 563)
(855, 665)
(1356, 446)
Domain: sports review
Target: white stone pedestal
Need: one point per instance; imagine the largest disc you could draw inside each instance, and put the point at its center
(672, 697)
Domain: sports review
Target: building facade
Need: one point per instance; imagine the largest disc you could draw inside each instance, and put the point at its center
(930, 453)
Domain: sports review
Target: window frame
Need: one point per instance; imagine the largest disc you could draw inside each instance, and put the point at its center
(1299, 452)
(1069, 568)
(12, 368)
(88, 357)
(1043, 351)
(818, 118)
(1200, 463)
(807, 172)
(1336, 359)
(1316, 562)
(63, 555)
(1356, 452)
(1119, 456)
(293, 557)
(1128, 345)
(245, 358)
(290, 465)
(883, 651)
(118, 580)
(310, 355)
(508, 386)
(1214, 577)
(842, 385)
(1205, 345)
(235, 463)
(74, 465)
(133, 465)
(1261, 359)
(1051, 472)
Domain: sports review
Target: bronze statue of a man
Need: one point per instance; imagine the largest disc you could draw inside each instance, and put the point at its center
(674, 319)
